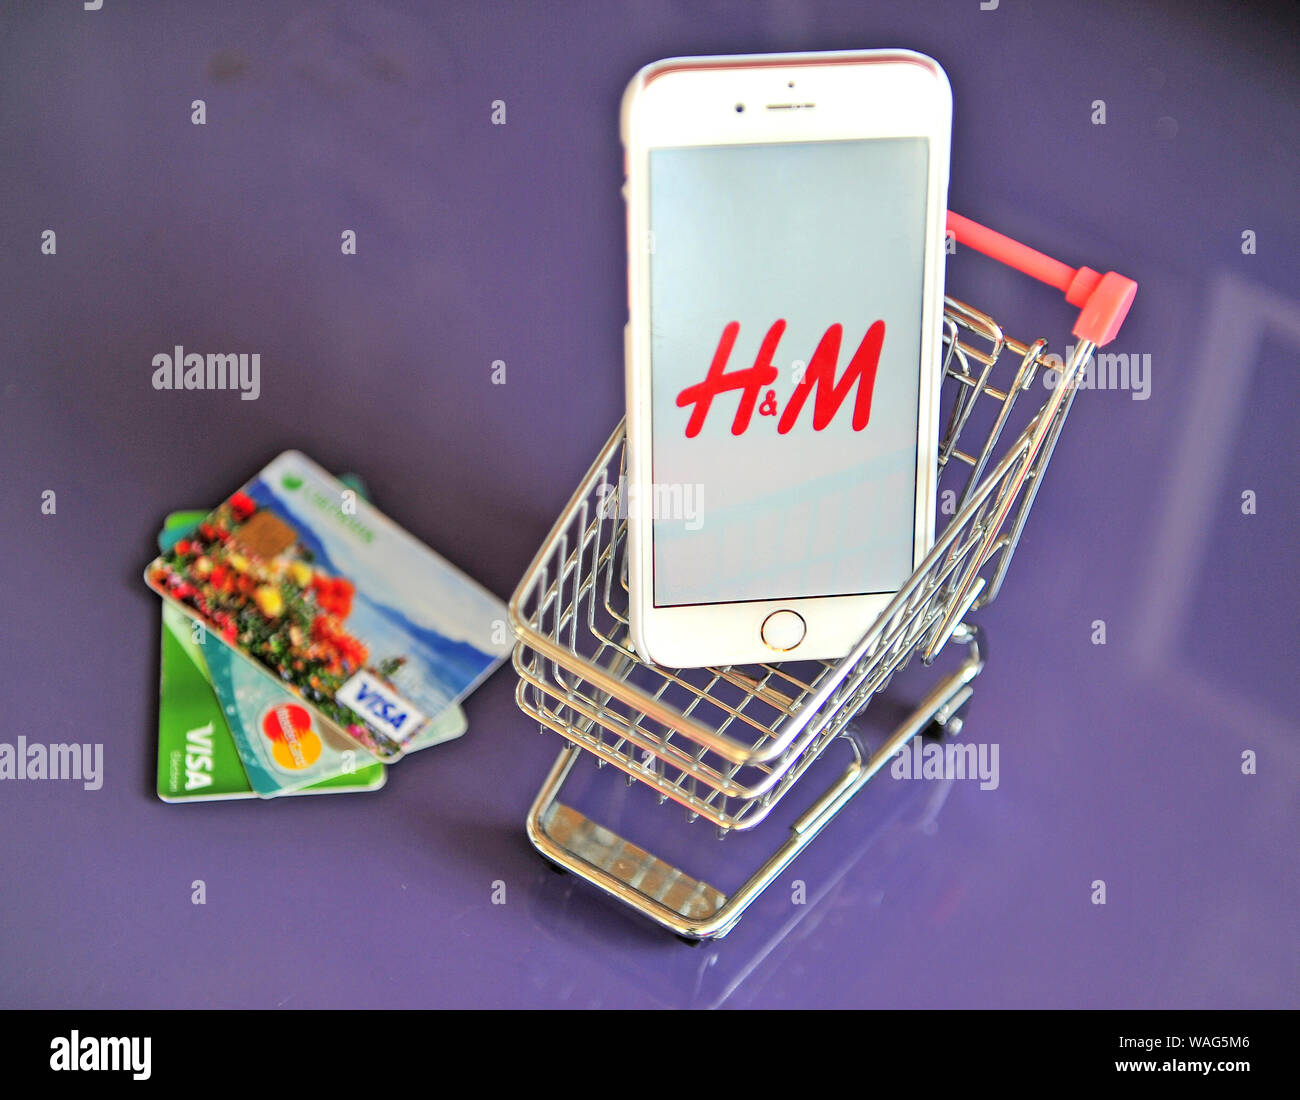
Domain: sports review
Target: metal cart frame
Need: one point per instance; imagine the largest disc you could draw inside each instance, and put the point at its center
(729, 743)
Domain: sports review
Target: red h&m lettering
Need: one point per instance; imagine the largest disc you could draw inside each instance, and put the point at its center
(820, 374)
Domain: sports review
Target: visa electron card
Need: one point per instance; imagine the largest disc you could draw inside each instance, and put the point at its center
(375, 633)
(197, 757)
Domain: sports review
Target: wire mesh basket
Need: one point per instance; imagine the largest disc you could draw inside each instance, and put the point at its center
(728, 743)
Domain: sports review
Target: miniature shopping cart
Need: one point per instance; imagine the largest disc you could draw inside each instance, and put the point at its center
(729, 743)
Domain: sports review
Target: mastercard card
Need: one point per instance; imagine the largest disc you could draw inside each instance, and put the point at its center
(376, 635)
(282, 747)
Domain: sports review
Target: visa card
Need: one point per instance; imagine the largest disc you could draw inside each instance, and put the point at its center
(375, 634)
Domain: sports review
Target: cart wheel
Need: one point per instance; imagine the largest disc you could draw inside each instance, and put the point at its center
(690, 941)
(949, 727)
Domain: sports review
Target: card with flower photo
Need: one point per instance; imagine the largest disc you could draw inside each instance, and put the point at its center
(338, 604)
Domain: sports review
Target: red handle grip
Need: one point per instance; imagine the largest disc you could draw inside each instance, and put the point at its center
(1104, 300)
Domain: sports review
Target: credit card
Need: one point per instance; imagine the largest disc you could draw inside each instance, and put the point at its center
(197, 757)
(375, 634)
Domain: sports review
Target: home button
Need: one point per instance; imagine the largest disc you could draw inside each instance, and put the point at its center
(783, 630)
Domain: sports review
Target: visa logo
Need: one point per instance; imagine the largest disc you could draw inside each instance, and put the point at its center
(198, 757)
(380, 706)
(370, 700)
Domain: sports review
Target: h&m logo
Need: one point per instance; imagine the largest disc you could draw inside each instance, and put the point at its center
(819, 375)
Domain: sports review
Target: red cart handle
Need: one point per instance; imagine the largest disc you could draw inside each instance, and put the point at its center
(1104, 300)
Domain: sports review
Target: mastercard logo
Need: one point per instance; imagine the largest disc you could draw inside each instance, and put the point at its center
(294, 744)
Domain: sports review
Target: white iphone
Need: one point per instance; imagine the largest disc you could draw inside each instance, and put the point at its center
(785, 226)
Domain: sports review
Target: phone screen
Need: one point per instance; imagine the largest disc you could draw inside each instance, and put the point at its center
(786, 304)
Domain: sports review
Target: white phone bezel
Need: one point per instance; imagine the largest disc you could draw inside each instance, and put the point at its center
(692, 101)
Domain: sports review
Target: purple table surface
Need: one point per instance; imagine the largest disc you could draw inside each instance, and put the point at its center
(1120, 762)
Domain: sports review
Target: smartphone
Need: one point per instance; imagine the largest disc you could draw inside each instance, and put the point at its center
(785, 231)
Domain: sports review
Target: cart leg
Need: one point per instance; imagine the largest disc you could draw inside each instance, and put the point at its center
(950, 717)
(687, 906)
